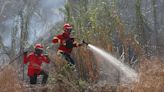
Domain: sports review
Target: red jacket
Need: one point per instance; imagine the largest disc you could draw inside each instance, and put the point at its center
(62, 39)
(35, 62)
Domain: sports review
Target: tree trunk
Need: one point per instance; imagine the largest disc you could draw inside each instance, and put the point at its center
(153, 40)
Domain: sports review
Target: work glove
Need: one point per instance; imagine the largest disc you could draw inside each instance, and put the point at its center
(46, 55)
(25, 52)
(63, 43)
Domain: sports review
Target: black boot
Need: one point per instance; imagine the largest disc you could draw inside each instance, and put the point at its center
(45, 77)
(33, 79)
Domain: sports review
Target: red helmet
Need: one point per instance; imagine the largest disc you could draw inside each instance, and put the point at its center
(38, 46)
(67, 26)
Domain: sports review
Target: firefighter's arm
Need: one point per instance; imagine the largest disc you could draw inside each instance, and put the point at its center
(56, 40)
(25, 58)
(76, 44)
(45, 58)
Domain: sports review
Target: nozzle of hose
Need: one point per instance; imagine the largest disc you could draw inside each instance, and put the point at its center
(85, 42)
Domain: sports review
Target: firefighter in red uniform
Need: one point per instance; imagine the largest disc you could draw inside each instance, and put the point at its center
(35, 60)
(66, 44)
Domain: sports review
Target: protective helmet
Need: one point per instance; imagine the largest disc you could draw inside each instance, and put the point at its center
(67, 27)
(38, 46)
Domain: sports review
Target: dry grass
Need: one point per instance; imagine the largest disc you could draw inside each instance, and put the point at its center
(151, 79)
(151, 76)
(9, 81)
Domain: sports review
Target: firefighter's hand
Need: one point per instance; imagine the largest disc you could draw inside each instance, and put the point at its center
(46, 55)
(25, 52)
(81, 44)
(63, 43)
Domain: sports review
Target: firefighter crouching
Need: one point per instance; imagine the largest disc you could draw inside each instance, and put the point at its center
(34, 60)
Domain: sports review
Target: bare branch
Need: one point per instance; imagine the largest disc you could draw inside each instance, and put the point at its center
(3, 7)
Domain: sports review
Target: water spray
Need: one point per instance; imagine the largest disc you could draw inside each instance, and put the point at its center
(129, 73)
